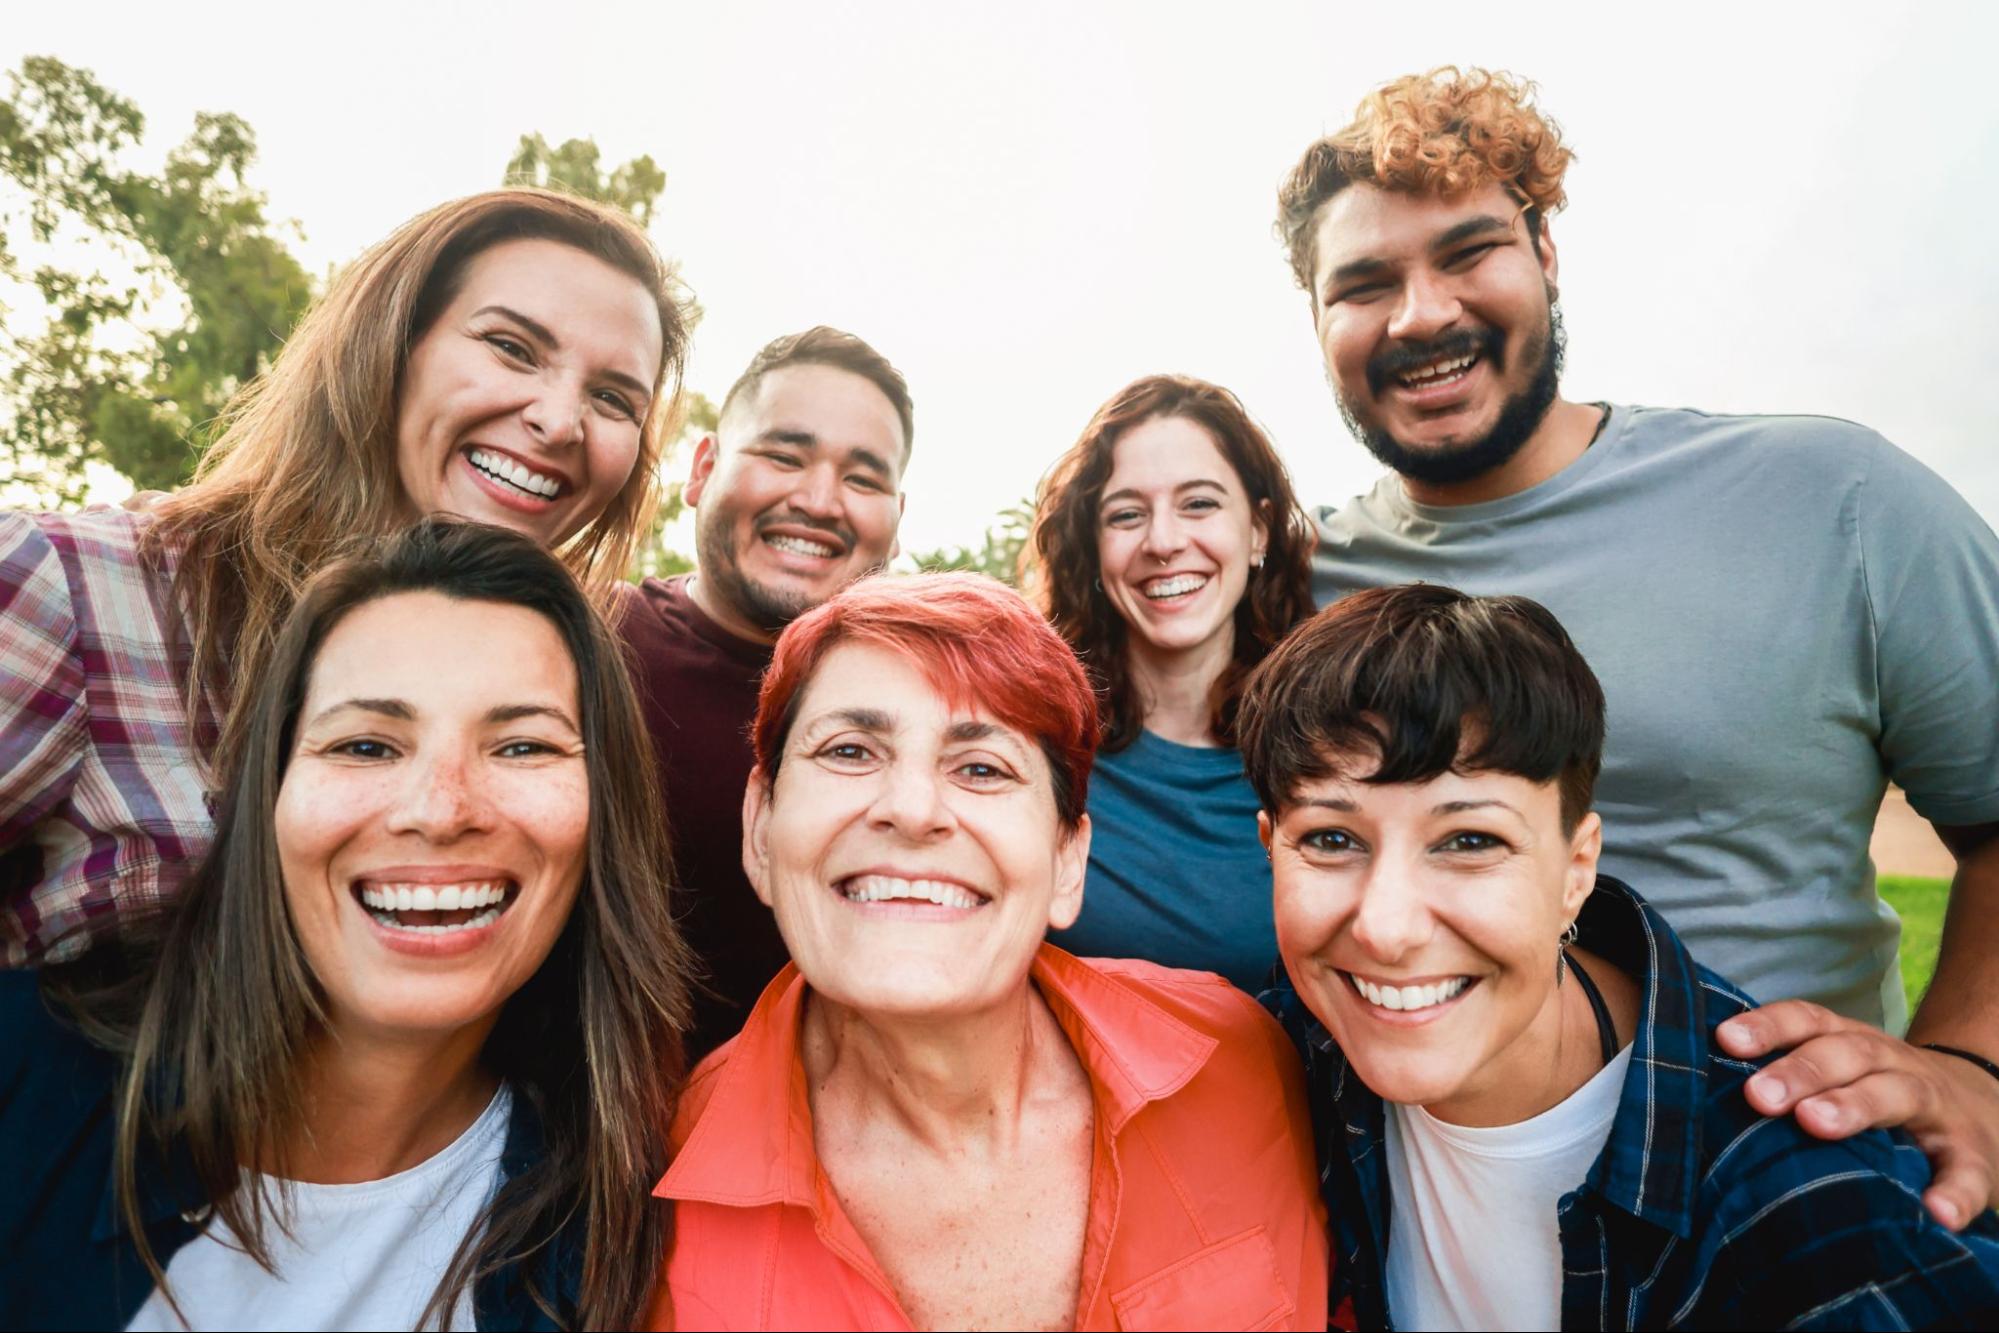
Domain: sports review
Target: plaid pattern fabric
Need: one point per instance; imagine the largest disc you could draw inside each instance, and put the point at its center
(1699, 1213)
(102, 795)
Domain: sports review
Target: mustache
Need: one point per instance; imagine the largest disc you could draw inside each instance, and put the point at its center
(1400, 358)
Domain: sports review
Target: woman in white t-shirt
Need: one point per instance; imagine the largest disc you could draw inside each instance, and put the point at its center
(1523, 1119)
(405, 1051)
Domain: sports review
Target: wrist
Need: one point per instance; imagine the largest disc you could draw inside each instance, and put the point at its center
(1970, 1057)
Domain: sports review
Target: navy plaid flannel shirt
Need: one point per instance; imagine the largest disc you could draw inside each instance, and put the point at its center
(1699, 1213)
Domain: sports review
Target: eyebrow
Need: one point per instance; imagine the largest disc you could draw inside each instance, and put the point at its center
(1131, 492)
(805, 439)
(867, 719)
(515, 712)
(1460, 807)
(402, 712)
(546, 335)
(1483, 224)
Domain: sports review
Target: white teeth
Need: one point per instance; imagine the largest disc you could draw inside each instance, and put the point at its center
(383, 899)
(885, 888)
(485, 918)
(515, 474)
(405, 900)
(1176, 586)
(1439, 370)
(800, 546)
(447, 898)
(423, 898)
(1409, 997)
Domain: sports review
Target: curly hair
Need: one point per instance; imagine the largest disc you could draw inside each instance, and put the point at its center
(1061, 571)
(1444, 132)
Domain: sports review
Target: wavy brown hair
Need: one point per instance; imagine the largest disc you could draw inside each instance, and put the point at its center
(210, 1002)
(306, 459)
(1061, 571)
(1443, 132)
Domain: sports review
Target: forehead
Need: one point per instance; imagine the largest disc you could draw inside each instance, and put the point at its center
(839, 409)
(866, 677)
(1364, 222)
(1167, 451)
(1392, 801)
(441, 653)
(599, 313)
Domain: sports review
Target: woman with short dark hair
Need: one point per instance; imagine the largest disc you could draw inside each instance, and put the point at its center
(404, 1051)
(1170, 553)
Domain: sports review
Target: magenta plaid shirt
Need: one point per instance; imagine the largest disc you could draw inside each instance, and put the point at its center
(102, 795)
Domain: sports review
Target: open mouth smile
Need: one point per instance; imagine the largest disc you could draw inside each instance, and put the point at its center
(1173, 586)
(1440, 373)
(435, 909)
(805, 546)
(1409, 999)
(514, 476)
(921, 897)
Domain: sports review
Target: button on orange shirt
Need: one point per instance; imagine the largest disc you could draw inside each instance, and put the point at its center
(1204, 1200)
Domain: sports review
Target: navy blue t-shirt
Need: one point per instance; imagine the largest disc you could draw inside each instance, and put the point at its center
(1176, 876)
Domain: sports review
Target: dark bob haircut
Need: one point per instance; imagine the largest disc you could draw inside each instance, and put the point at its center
(1418, 681)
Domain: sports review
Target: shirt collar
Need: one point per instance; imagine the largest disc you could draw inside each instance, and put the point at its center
(743, 1154)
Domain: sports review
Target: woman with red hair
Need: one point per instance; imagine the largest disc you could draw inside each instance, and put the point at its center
(933, 1118)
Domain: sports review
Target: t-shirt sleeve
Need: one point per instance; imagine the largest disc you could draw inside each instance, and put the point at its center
(1931, 570)
(43, 733)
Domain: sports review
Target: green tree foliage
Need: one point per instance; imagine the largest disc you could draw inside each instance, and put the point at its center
(998, 554)
(161, 294)
(572, 168)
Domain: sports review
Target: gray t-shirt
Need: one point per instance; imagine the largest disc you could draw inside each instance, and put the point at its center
(1785, 613)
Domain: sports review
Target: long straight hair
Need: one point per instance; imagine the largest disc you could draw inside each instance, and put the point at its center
(307, 454)
(212, 1003)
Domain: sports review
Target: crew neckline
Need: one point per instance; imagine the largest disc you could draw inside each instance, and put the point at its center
(1588, 1110)
(486, 1130)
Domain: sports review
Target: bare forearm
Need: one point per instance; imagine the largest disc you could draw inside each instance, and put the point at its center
(1961, 1007)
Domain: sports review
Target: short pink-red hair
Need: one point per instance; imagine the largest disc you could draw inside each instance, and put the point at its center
(979, 644)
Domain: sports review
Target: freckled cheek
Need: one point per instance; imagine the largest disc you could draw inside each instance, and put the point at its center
(318, 816)
(552, 815)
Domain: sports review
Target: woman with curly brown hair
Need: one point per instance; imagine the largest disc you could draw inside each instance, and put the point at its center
(1170, 553)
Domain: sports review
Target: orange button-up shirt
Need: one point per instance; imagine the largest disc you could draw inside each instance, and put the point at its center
(1204, 1201)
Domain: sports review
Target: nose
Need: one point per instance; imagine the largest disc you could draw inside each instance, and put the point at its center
(1164, 536)
(816, 493)
(1428, 305)
(911, 803)
(1392, 921)
(554, 416)
(441, 801)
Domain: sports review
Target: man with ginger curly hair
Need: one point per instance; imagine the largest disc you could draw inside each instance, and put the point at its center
(1786, 612)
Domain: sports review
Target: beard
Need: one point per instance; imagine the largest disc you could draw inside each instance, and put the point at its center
(769, 609)
(1519, 416)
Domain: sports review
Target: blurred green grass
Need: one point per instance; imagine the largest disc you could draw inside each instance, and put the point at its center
(1920, 903)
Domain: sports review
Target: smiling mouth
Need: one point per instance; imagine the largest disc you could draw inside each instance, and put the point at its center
(1407, 998)
(893, 889)
(805, 546)
(1175, 586)
(510, 472)
(436, 909)
(1436, 374)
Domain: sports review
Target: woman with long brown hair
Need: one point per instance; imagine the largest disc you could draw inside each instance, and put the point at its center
(1170, 553)
(404, 1051)
(513, 357)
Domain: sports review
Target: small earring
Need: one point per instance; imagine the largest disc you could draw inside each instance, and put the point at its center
(1098, 584)
(1256, 561)
(1567, 938)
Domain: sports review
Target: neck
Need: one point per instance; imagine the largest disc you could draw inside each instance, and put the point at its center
(1563, 436)
(374, 1104)
(1560, 1051)
(1176, 689)
(945, 1082)
(723, 614)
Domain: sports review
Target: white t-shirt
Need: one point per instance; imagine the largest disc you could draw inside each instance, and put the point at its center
(1472, 1239)
(364, 1256)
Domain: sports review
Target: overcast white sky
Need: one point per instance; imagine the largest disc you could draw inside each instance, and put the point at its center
(1774, 208)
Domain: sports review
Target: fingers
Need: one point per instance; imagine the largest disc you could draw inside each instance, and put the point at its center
(1876, 1101)
(1822, 1064)
(1960, 1190)
(1785, 1023)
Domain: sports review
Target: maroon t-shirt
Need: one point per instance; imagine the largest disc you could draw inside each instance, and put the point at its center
(697, 684)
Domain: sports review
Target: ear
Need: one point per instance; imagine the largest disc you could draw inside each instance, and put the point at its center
(1585, 846)
(1551, 267)
(1259, 545)
(756, 832)
(1072, 866)
(1265, 831)
(901, 508)
(705, 454)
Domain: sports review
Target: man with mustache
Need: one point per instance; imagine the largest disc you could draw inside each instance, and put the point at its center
(1786, 613)
(796, 493)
